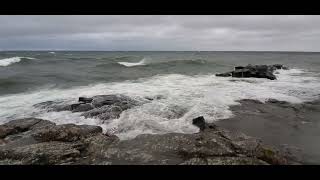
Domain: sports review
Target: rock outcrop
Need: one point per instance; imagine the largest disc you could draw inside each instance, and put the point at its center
(256, 71)
(37, 141)
(104, 107)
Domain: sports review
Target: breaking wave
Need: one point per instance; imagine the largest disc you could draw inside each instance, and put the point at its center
(131, 64)
(148, 62)
(12, 60)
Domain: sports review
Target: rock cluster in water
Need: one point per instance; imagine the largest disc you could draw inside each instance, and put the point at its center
(256, 71)
(104, 107)
(38, 141)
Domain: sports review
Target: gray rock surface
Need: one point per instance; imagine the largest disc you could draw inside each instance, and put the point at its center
(104, 107)
(36, 141)
(292, 128)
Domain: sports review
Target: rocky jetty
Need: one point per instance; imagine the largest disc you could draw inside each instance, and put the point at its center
(256, 71)
(38, 141)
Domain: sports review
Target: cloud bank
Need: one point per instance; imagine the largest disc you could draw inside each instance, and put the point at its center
(161, 33)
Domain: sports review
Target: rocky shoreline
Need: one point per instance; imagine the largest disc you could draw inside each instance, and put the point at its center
(291, 127)
(39, 141)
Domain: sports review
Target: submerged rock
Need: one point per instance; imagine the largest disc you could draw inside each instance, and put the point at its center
(37, 141)
(257, 71)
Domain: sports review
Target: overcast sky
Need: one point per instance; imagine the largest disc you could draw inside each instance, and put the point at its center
(125, 33)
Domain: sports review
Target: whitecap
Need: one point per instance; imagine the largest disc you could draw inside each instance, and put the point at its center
(12, 60)
(131, 64)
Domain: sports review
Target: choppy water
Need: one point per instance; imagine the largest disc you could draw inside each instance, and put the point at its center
(186, 80)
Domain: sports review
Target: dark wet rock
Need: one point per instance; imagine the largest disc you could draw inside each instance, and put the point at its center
(82, 108)
(256, 71)
(119, 100)
(239, 67)
(104, 107)
(199, 122)
(85, 100)
(41, 142)
(53, 106)
(110, 106)
(280, 66)
(275, 101)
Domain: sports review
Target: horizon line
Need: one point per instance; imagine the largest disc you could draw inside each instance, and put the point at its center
(163, 51)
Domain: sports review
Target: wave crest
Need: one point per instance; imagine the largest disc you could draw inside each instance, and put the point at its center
(146, 61)
(12, 60)
(130, 64)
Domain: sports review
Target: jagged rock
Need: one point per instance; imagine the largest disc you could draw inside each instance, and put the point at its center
(85, 100)
(120, 100)
(257, 71)
(109, 106)
(199, 122)
(82, 108)
(104, 107)
(41, 142)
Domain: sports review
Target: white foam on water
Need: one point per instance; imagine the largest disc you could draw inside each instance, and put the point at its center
(131, 64)
(184, 98)
(11, 60)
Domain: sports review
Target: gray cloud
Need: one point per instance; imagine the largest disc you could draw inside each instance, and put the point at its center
(270, 33)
